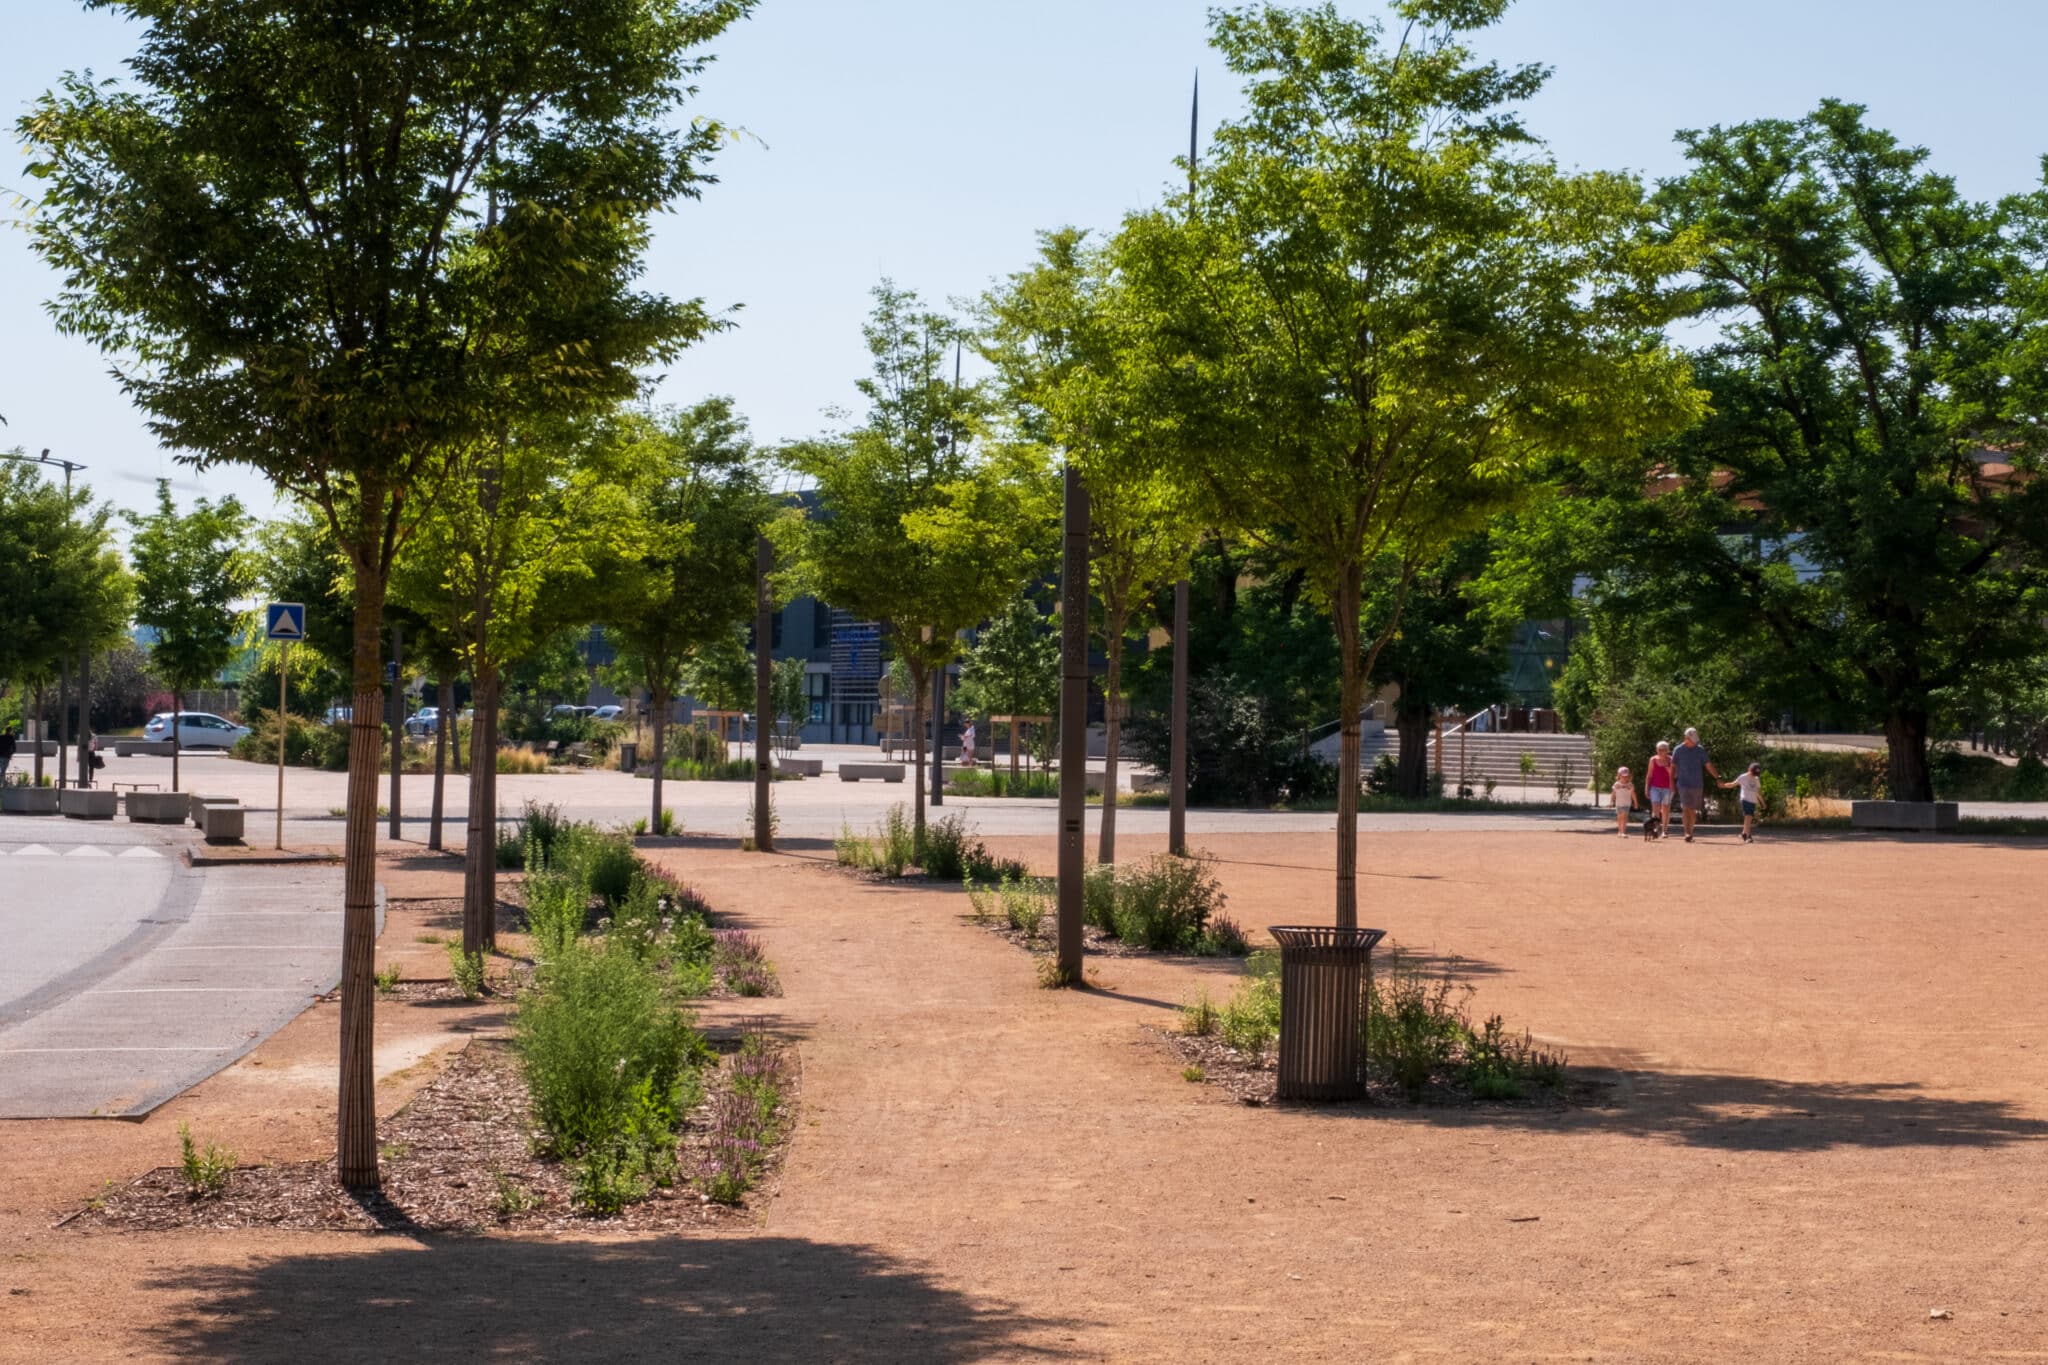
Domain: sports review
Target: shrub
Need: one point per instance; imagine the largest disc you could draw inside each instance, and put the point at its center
(520, 761)
(387, 980)
(2028, 781)
(1163, 903)
(742, 962)
(1222, 937)
(743, 1121)
(466, 970)
(557, 908)
(1251, 1018)
(539, 827)
(997, 783)
(1098, 896)
(1415, 1024)
(609, 1060)
(942, 853)
(1200, 1016)
(603, 864)
(205, 1173)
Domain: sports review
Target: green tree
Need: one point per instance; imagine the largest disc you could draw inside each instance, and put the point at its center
(339, 245)
(1849, 513)
(190, 573)
(790, 692)
(1055, 343)
(1012, 670)
(1383, 300)
(687, 577)
(914, 531)
(1448, 650)
(720, 672)
(64, 592)
(493, 571)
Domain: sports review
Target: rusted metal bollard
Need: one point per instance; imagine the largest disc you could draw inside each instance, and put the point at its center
(1323, 977)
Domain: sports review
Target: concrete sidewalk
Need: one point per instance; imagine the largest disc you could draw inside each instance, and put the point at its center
(224, 958)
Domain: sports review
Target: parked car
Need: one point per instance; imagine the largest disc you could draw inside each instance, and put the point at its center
(196, 730)
(340, 715)
(423, 722)
(608, 713)
(568, 712)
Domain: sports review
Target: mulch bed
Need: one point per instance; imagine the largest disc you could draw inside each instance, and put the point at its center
(449, 1158)
(1254, 1082)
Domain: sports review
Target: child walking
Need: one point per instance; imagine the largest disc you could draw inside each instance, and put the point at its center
(1750, 787)
(1624, 800)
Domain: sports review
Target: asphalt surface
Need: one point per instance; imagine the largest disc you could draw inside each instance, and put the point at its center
(131, 976)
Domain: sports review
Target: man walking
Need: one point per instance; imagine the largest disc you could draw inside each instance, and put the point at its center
(1692, 763)
(6, 749)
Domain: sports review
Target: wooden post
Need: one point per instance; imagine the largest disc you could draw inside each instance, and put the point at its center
(1177, 776)
(939, 735)
(397, 712)
(1439, 755)
(1073, 725)
(764, 667)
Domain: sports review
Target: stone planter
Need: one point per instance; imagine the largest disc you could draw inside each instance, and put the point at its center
(79, 803)
(28, 800)
(158, 808)
(1928, 816)
(222, 823)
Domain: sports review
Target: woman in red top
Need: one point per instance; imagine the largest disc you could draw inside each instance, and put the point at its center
(1660, 783)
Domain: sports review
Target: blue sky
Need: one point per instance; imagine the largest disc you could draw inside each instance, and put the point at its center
(928, 141)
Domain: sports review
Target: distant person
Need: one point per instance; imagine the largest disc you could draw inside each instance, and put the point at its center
(1692, 763)
(1660, 782)
(6, 749)
(1749, 787)
(967, 744)
(1624, 800)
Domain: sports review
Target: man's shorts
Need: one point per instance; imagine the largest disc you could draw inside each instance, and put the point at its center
(1660, 797)
(1692, 798)
(1748, 808)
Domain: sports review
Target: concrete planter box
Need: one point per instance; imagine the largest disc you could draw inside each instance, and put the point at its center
(222, 824)
(155, 748)
(28, 800)
(886, 772)
(86, 804)
(158, 808)
(197, 804)
(1929, 816)
(800, 767)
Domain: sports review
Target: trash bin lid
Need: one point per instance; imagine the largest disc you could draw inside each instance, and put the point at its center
(1325, 936)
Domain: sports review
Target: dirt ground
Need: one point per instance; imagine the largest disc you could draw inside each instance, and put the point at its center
(1826, 1119)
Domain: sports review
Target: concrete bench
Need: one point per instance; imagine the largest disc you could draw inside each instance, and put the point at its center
(28, 800)
(84, 803)
(222, 824)
(155, 748)
(800, 767)
(158, 808)
(1931, 816)
(855, 772)
(199, 804)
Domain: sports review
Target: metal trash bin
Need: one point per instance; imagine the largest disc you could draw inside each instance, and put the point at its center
(629, 755)
(1324, 973)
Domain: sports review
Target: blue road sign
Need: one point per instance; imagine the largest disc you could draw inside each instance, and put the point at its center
(285, 621)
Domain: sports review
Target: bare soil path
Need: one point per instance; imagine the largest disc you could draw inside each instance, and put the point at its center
(1827, 1118)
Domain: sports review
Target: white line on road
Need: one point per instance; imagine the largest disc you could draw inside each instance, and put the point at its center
(201, 990)
(9, 1051)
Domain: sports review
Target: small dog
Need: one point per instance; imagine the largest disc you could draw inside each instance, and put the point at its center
(1650, 825)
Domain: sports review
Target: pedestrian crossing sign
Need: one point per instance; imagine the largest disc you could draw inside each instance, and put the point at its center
(286, 621)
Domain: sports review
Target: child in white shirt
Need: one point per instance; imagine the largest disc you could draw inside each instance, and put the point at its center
(1749, 786)
(1624, 800)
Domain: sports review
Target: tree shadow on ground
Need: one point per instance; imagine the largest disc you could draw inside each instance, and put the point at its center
(722, 1298)
(1746, 1113)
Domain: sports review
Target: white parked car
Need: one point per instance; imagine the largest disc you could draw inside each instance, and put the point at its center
(423, 721)
(608, 713)
(196, 730)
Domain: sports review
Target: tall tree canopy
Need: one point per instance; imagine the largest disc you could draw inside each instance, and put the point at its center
(925, 524)
(1859, 513)
(190, 573)
(687, 576)
(1382, 301)
(338, 242)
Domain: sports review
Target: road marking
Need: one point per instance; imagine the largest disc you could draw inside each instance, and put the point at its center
(88, 851)
(34, 851)
(201, 990)
(23, 1050)
(139, 851)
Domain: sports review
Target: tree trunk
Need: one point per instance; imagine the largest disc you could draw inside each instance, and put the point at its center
(764, 701)
(177, 734)
(42, 729)
(1177, 750)
(1112, 731)
(444, 704)
(1412, 725)
(1352, 699)
(397, 726)
(917, 753)
(355, 1144)
(662, 702)
(85, 719)
(480, 858)
(1909, 775)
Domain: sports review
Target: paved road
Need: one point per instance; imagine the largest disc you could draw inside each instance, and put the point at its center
(130, 977)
